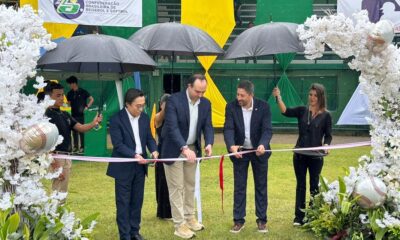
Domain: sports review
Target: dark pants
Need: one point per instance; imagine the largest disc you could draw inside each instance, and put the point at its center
(314, 165)
(162, 195)
(260, 175)
(129, 201)
(78, 135)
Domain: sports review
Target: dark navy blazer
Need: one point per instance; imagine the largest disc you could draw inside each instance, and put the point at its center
(124, 144)
(176, 126)
(260, 126)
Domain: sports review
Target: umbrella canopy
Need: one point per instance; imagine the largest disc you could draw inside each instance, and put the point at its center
(97, 53)
(266, 39)
(175, 39)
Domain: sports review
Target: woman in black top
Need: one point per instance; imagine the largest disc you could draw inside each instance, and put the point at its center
(162, 195)
(315, 127)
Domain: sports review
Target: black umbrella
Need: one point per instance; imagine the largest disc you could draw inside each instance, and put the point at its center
(174, 39)
(266, 39)
(96, 53)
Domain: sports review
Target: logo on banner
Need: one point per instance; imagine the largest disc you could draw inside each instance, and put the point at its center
(69, 9)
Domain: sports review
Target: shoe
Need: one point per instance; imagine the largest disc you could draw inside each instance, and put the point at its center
(80, 150)
(184, 232)
(194, 225)
(262, 227)
(297, 222)
(137, 236)
(237, 228)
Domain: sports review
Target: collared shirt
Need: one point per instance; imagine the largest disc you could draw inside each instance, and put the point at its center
(135, 128)
(65, 123)
(78, 101)
(193, 116)
(247, 118)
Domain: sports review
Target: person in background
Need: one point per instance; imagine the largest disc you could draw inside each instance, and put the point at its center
(130, 135)
(80, 100)
(315, 128)
(162, 195)
(65, 123)
(248, 127)
(187, 115)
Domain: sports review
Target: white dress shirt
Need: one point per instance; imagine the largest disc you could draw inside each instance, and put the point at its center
(135, 128)
(247, 118)
(193, 117)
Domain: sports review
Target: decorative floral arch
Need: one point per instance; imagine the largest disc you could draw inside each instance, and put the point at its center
(335, 212)
(26, 210)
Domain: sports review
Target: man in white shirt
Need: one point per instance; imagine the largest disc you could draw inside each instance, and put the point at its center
(187, 115)
(248, 127)
(130, 135)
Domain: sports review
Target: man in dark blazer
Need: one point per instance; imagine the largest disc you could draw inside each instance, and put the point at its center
(130, 135)
(248, 127)
(187, 115)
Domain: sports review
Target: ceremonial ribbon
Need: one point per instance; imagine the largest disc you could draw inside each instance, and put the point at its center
(114, 159)
(221, 164)
(197, 193)
(221, 181)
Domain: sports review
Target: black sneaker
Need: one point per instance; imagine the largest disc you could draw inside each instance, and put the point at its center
(237, 228)
(297, 222)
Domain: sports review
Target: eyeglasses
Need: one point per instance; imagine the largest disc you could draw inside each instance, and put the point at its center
(139, 107)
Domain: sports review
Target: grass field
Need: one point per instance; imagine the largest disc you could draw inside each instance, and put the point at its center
(92, 191)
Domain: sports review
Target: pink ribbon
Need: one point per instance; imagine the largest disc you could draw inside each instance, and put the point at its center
(113, 159)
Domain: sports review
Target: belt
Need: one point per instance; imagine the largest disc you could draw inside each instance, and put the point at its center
(246, 149)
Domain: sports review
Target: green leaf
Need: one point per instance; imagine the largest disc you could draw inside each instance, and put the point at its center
(3, 216)
(45, 236)
(88, 220)
(4, 230)
(57, 228)
(380, 234)
(26, 232)
(342, 190)
(40, 228)
(14, 223)
(323, 184)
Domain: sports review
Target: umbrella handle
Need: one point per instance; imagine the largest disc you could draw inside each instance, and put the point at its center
(273, 67)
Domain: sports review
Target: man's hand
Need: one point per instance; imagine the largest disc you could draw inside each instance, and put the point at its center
(140, 158)
(55, 165)
(326, 150)
(260, 150)
(208, 150)
(97, 119)
(189, 154)
(154, 155)
(235, 149)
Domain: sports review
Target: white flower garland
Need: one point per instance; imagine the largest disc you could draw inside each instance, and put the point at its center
(380, 81)
(21, 36)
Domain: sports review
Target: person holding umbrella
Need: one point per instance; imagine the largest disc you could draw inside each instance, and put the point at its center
(315, 128)
(65, 124)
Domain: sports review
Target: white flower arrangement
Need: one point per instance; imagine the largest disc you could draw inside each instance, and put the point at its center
(379, 67)
(21, 36)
